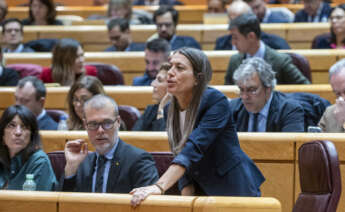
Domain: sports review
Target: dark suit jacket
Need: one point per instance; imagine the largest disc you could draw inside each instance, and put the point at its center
(131, 48)
(286, 71)
(302, 16)
(271, 40)
(142, 80)
(9, 77)
(212, 155)
(130, 168)
(184, 41)
(285, 115)
(47, 123)
(148, 121)
(322, 41)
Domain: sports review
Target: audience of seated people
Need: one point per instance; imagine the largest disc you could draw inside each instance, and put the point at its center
(8, 77)
(268, 15)
(31, 93)
(152, 119)
(333, 120)
(12, 36)
(313, 11)
(21, 151)
(67, 64)
(115, 167)
(236, 9)
(336, 38)
(157, 51)
(260, 108)
(166, 20)
(245, 30)
(99, 2)
(216, 6)
(42, 12)
(3, 10)
(156, 2)
(119, 34)
(78, 94)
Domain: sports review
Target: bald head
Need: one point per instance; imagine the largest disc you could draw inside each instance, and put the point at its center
(238, 8)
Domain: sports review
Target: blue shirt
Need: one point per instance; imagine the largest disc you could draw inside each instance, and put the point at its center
(109, 155)
(317, 18)
(260, 53)
(262, 118)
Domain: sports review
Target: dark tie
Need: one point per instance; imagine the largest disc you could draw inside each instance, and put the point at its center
(255, 122)
(100, 172)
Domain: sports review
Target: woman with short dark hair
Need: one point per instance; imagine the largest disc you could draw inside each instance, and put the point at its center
(20, 151)
(42, 12)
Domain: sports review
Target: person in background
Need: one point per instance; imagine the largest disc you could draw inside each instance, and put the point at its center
(152, 119)
(260, 108)
(119, 34)
(156, 2)
(21, 153)
(99, 2)
(3, 10)
(236, 9)
(8, 77)
(157, 51)
(81, 91)
(166, 20)
(67, 64)
(12, 36)
(201, 133)
(42, 12)
(216, 6)
(31, 93)
(336, 38)
(333, 119)
(115, 167)
(313, 11)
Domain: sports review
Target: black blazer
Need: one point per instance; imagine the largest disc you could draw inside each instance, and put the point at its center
(130, 168)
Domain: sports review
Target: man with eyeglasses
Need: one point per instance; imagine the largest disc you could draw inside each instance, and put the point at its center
(115, 167)
(12, 36)
(260, 108)
(166, 19)
(313, 11)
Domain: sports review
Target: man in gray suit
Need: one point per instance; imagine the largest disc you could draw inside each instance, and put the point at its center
(115, 167)
(245, 31)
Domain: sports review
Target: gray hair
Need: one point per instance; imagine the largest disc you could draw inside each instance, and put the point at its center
(258, 65)
(337, 67)
(100, 101)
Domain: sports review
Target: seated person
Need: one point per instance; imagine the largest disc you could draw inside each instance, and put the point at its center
(67, 64)
(152, 119)
(25, 157)
(313, 11)
(31, 93)
(8, 77)
(216, 6)
(335, 39)
(12, 36)
(42, 12)
(260, 108)
(3, 10)
(156, 2)
(119, 34)
(157, 51)
(333, 119)
(166, 20)
(99, 2)
(236, 9)
(245, 30)
(78, 94)
(115, 167)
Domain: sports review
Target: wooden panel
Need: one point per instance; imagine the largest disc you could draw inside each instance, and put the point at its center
(24, 201)
(236, 204)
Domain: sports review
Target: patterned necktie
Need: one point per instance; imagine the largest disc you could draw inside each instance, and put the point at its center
(100, 172)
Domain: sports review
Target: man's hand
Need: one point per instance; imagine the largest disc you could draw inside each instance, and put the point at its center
(75, 153)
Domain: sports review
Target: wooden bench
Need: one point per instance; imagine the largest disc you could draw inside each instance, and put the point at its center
(273, 153)
(132, 64)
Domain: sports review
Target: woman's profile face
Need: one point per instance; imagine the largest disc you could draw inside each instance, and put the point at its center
(79, 61)
(80, 96)
(16, 136)
(337, 19)
(39, 10)
(160, 86)
(181, 79)
(118, 11)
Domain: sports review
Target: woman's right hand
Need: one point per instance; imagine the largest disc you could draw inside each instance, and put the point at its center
(75, 153)
(140, 194)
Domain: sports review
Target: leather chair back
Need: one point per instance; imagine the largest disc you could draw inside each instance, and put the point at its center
(319, 177)
(25, 70)
(108, 74)
(302, 63)
(129, 115)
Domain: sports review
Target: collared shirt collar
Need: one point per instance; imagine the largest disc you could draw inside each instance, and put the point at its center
(260, 53)
(19, 48)
(264, 111)
(317, 17)
(110, 154)
(262, 118)
(43, 113)
(172, 39)
(267, 15)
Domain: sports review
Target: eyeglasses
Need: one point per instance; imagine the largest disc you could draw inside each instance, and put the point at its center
(75, 100)
(13, 126)
(252, 91)
(336, 17)
(106, 125)
(160, 25)
(10, 30)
